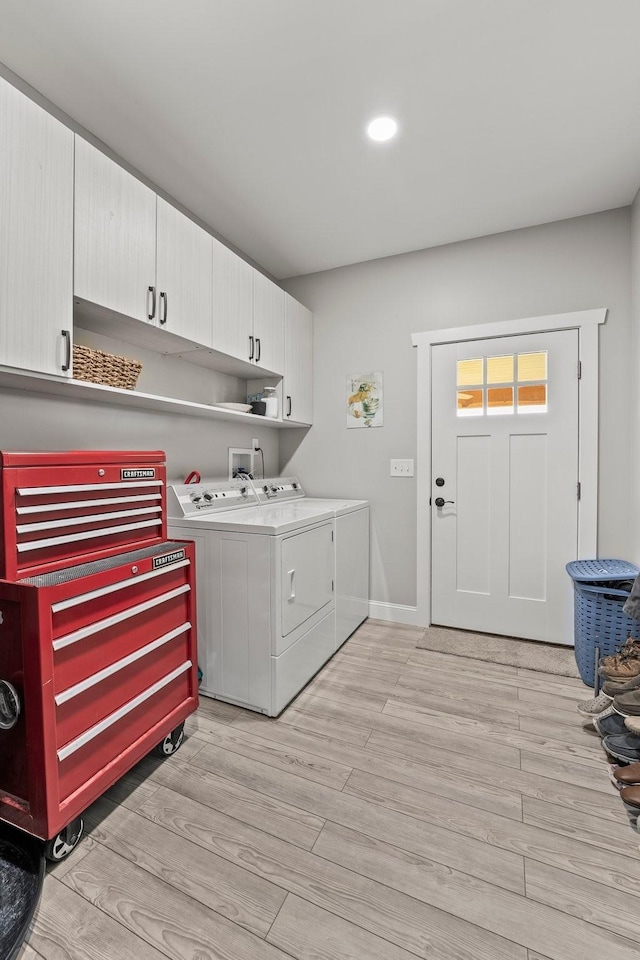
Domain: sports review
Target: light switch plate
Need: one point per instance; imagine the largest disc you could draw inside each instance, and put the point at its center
(402, 468)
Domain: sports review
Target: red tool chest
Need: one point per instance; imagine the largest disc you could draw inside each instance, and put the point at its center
(57, 507)
(100, 649)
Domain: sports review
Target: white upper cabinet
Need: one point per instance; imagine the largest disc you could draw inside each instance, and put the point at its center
(297, 384)
(115, 236)
(232, 303)
(184, 275)
(36, 236)
(268, 324)
(248, 312)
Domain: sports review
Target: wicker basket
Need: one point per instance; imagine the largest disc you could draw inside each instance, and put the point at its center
(96, 366)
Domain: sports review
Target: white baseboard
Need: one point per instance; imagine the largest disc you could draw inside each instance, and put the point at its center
(394, 613)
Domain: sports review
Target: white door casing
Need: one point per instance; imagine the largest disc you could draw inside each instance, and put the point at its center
(505, 455)
(587, 323)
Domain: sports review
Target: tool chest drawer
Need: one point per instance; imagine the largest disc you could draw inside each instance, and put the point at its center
(103, 658)
(57, 508)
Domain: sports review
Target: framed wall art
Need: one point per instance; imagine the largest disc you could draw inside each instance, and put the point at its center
(364, 399)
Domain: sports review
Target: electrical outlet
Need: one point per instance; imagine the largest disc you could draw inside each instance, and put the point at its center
(401, 468)
(255, 444)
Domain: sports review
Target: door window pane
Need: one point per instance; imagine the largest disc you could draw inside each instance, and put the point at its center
(470, 403)
(500, 369)
(499, 400)
(532, 366)
(470, 373)
(533, 398)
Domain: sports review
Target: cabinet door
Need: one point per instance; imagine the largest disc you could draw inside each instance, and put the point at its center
(232, 303)
(268, 323)
(115, 235)
(36, 235)
(297, 388)
(184, 272)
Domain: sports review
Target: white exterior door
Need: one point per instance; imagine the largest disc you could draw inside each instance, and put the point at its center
(505, 463)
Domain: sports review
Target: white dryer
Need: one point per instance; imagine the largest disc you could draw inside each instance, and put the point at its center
(265, 585)
(351, 536)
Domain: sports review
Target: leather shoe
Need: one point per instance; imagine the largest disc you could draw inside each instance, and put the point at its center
(628, 775)
(631, 796)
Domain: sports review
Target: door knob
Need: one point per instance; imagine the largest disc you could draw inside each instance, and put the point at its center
(440, 501)
(439, 481)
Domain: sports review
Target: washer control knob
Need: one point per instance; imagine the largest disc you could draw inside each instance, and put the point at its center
(196, 498)
(265, 489)
(208, 496)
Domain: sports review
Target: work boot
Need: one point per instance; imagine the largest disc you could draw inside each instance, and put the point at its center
(627, 776)
(630, 648)
(622, 669)
(591, 708)
(627, 704)
(610, 726)
(625, 748)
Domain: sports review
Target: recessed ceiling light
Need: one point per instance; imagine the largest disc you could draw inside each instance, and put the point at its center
(382, 128)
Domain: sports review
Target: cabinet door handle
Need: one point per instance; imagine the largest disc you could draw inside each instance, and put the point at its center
(67, 356)
(259, 351)
(251, 345)
(152, 291)
(164, 307)
(288, 406)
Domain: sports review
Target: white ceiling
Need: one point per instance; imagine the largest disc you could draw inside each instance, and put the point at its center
(251, 113)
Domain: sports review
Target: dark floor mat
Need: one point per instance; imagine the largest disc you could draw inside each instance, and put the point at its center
(22, 867)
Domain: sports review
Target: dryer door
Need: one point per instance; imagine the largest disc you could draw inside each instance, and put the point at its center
(307, 572)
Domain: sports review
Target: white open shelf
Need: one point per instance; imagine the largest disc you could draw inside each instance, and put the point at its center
(80, 391)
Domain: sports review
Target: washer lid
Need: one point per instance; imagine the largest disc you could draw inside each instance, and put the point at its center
(270, 519)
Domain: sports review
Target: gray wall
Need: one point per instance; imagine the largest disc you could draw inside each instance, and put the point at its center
(364, 316)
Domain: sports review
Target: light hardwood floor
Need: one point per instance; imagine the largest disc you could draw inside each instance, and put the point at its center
(408, 803)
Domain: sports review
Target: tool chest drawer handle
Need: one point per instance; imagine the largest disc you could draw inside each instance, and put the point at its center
(114, 587)
(75, 487)
(100, 625)
(129, 707)
(89, 518)
(82, 504)
(109, 671)
(89, 535)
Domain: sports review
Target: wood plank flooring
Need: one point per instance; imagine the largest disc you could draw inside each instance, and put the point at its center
(407, 804)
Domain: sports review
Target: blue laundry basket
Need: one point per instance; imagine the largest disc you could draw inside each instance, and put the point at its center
(601, 588)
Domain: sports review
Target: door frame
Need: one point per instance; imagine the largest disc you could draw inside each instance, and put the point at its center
(587, 323)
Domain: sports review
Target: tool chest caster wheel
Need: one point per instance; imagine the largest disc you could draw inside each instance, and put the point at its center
(171, 743)
(65, 842)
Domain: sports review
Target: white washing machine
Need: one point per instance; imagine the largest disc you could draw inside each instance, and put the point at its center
(265, 587)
